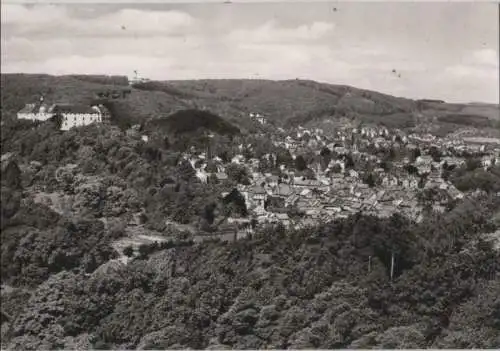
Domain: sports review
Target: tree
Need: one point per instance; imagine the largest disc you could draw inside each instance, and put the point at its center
(370, 180)
(57, 119)
(283, 157)
(336, 168)
(185, 170)
(392, 154)
(421, 182)
(300, 163)
(435, 154)
(325, 152)
(411, 169)
(209, 213)
(211, 167)
(236, 203)
(414, 154)
(472, 163)
(237, 174)
(11, 175)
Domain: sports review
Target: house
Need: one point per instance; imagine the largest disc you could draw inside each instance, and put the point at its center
(452, 161)
(353, 174)
(283, 218)
(238, 159)
(302, 183)
(487, 161)
(337, 178)
(221, 176)
(306, 193)
(390, 181)
(291, 200)
(424, 160)
(455, 193)
(340, 150)
(258, 118)
(324, 180)
(258, 194)
(409, 183)
(35, 112)
(386, 197)
(272, 181)
(202, 175)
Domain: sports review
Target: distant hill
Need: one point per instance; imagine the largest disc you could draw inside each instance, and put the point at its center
(283, 103)
(191, 120)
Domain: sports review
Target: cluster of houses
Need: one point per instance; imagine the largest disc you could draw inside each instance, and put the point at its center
(297, 201)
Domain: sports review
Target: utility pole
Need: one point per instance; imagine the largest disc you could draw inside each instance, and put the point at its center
(392, 265)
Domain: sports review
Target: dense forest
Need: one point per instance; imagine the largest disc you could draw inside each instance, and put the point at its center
(188, 121)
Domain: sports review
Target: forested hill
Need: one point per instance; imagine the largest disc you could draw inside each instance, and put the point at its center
(288, 102)
(326, 287)
(189, 121)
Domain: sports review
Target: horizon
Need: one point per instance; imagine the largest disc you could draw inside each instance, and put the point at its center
(442, 51)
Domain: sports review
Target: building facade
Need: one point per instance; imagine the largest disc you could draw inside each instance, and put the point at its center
(72, 115)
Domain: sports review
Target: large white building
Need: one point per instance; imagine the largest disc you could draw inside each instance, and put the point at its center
(73, 115)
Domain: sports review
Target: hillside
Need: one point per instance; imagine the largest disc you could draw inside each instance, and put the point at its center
(290, 100)
(284, 103)
(303, 101)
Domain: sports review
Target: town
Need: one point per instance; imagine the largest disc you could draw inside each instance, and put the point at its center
(369, 170)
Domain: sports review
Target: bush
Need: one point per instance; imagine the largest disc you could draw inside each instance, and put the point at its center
(128, 251)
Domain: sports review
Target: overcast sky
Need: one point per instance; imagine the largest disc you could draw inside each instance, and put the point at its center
(440, 50)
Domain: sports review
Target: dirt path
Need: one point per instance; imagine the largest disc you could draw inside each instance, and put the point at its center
(135, 237)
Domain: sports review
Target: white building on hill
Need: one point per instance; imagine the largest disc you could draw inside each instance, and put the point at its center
(258, 117)
(73, 115)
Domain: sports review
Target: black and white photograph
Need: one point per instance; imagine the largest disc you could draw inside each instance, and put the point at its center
(250, 175)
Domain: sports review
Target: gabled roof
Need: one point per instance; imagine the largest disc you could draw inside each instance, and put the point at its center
(285, 189)
(272, 178)
(34, 108)
(71, 108)
(282, 216)
(258, 190)
(221, 175)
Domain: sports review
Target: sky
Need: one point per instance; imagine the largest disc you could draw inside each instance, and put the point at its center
(446, 50)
